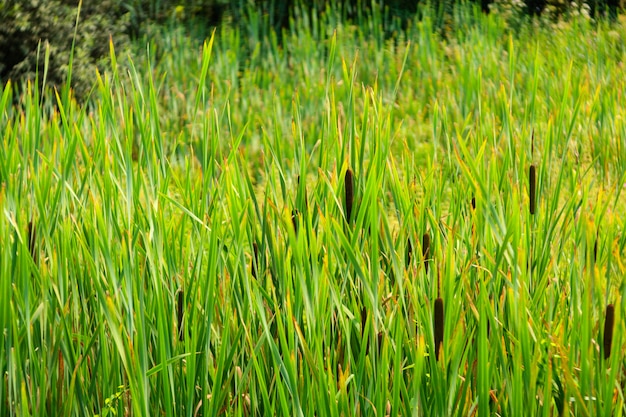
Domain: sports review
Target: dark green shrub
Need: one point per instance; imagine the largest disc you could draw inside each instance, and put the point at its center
(144, 12)
(29, 26)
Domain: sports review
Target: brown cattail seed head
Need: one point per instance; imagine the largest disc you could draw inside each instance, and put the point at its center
(349, 187)
(532, 189)
(180, 308)
(438, 326)
(426, 249)
(32, 239)
(363, 320)
(294, 219)
(255, 260)
(608, 330)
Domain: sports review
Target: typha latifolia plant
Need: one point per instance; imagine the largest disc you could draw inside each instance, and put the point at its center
(349, 194)
(438, 326)
(295, 219)
(32, 241)
(532, 191)
(408, 256)
(254, 267)
(609, 319)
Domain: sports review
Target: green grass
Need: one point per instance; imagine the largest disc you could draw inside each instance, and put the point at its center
(150, 201)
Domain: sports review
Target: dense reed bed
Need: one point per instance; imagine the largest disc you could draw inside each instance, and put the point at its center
(344, 224)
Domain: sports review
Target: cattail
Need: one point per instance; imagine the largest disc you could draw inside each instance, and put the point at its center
(409, 253)
(608, 330)
(180, 305)
(294, 219)
(255, 260)
(349, 186)
(426, 249)
(533, 189)
(438, 326)
(32, 238)
(363, 320)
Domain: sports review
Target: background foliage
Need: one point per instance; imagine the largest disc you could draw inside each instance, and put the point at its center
(27, 23)
(28, 26)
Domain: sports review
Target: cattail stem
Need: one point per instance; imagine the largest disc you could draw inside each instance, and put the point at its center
(180, 309)
(426, 250)
(349, 188)
(609, 319)
(439, 323)
(532, 189)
